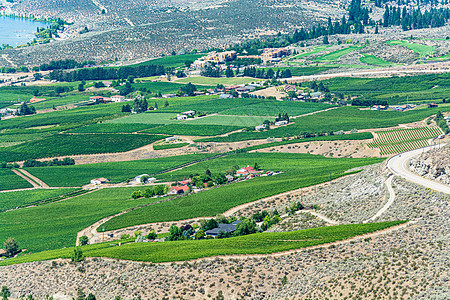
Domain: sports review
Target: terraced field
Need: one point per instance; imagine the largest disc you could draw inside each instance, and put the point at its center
(422, 50)
(401, 140)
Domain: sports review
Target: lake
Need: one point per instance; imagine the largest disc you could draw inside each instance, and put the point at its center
(16, 31)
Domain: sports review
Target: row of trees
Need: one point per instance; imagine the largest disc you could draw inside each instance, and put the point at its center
(26, 109)
(441, 122)
(64, 64)
(414, 18)
(269, 74)
(157, 190)
(30, 163)
(107, 73)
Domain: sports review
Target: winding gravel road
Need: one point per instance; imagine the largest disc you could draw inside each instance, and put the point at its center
(399, 165)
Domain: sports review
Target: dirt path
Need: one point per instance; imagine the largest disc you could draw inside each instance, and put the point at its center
(34, 184)
(320, 216)
(40, 182)
(388, 203)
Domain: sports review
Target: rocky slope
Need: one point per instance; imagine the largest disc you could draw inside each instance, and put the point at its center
(434, 164)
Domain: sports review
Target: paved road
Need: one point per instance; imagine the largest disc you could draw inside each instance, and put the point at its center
(399, 165)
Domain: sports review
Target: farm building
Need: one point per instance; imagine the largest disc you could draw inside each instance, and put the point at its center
(118, 98)
(229, 228)
(229, 178)
(290, 88)
(280, 123)
(432, 105)
(184, 182)
(96, 98)
(226, 96)
(260, 127)
(245, 89)
(182, 117)
(189, 113)
(246, 171)
(171, 139)
(178, 190)
(138, 178)
(169, 95)
(99, 181)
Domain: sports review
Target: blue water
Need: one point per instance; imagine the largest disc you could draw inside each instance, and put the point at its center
(15, 31)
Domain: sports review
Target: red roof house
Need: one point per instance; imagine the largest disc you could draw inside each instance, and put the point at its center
(178, 190)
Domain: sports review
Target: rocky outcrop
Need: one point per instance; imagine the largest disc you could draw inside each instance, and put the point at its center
(434, 164)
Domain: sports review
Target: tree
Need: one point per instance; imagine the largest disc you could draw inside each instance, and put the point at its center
(210, 224)
(188, 89)
(26, 110)
(84, 240)
(126, 108)
(248, 226)
(229, 72)
(174, 233)
(81, 88)
(166, 103)
(77, 255)
(5, 293)
(223, 235)
(160, 189)
(37, 76)
(200, 235)
(325, 40)
(148, 193)
(11, 247)
(136, 194)
(91, 297)
(81, 295)
(152, 235)
(156, 105)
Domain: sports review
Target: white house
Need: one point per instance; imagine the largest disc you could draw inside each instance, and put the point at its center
(226, 96)
(260, 127)
(171, 139)
(99, 181)
(189, 113)
(118, 98)
(138, 179)
(182, 117)
(280, 123)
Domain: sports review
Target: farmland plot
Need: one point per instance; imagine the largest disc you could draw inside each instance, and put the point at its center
(402, 140)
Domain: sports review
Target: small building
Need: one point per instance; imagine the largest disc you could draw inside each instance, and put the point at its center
(189, 113)
(97, 99)
(245, 89)
(260, 127)
(431, 105)
(246, 171)
(98, 181)
(171, 139)
(138, 179)
(169, 95)
(182, 117)
(118, 98)
(178, 190)
(34, 100)
(226, 96)
(280, 123)
(228, 228)
(184, 182)
(316, 95)
(229, 178)
(290, 88)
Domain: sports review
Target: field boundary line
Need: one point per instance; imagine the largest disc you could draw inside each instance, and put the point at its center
(37, 180)
(30, 181)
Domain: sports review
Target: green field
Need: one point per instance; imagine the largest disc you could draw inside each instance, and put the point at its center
(55, 225)
(213, 81)
(76, 144)
(259, 243)
(163, 87)
(78, 175)
(299, 170)
(422, 50)
(402, 140)
(20, 198)
(273, 107)
(146, 118)
(113, 128)
(11, 181)
(335, 55)
(174, 61)
(440, 58)
(193, 130)
(395, 90)
(343, 118)
(303, 71)
(238, 121)
(373, 60)
(314, 51)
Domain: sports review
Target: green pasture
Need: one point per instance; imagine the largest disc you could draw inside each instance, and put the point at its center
(228, 120)
(213, 81)
(55, 225)
(11, 181)
(259, 243)
(422, 50)
(192, 130)
(113, 128)
(147, 118)
(303, 71)
(173, 61)
(78, 175)
(299, 170)
(76, 144)
(12, 200)
(315, 50)
(335, 55)
(373, 60)
(441, 58)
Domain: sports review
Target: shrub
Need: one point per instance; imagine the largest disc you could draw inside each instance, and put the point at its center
(77, 255)
(11, 247)
(84, 240)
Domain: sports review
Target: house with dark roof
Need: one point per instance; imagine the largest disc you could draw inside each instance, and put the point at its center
(229, 228)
